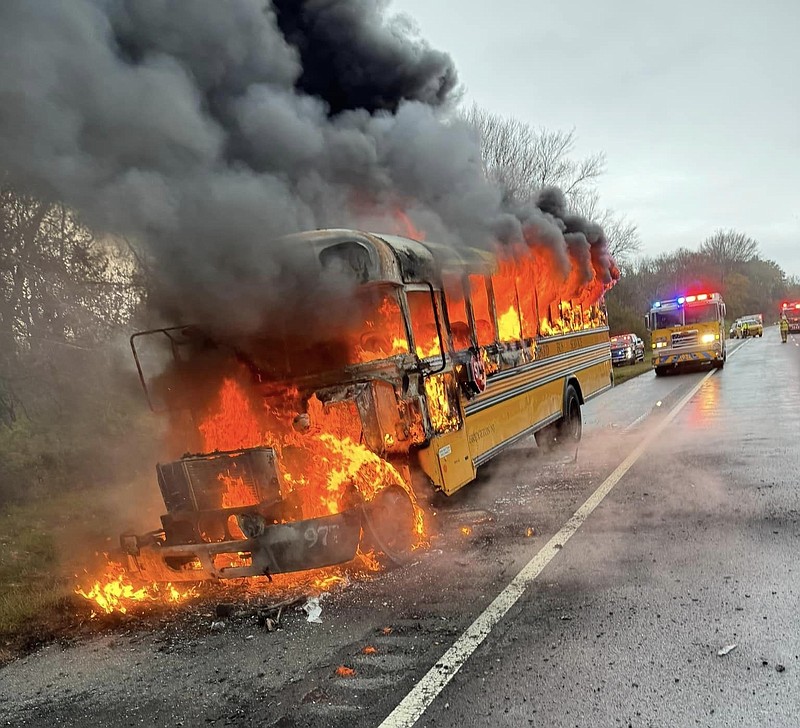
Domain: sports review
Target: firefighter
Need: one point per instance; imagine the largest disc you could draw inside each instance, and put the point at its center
(745, 329)
(784, 328)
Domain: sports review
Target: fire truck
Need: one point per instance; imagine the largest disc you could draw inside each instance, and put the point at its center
(791, 310)
(687, 330)
(293, 446)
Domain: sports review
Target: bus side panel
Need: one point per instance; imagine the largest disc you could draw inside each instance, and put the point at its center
(492, 426)
(447, 461)
(594, 379)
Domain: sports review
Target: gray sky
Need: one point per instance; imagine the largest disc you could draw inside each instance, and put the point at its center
(696, 104)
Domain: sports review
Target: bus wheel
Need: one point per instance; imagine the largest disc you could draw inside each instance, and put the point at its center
(389, 524)
(570, 427)
(565, 431)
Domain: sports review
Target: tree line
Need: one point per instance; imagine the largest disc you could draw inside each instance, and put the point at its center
(728, 262)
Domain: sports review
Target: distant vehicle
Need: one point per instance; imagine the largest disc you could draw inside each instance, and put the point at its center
(626, 349)
(755, 326)
(687, 330)
(791, 309)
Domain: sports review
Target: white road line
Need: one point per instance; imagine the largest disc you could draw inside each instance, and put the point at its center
(411, 708)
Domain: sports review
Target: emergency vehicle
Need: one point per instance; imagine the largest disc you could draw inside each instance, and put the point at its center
(791, 310)
(687, 330)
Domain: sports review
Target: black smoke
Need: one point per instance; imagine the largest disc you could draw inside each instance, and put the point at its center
(205, 129)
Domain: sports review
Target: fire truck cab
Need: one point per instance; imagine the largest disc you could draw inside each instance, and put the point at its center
(687, 330)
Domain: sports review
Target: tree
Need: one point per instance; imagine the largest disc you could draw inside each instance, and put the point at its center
(728, 249)
(523, 159)
(66, 298)
(622, 234)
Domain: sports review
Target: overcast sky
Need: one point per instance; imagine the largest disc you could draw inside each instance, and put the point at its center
(695, 104)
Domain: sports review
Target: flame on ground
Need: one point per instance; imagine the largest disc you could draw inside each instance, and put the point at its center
(114, 592)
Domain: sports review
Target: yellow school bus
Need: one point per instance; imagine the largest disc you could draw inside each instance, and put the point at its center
(305, 438)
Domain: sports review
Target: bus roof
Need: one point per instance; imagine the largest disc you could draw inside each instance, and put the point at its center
(375, 257)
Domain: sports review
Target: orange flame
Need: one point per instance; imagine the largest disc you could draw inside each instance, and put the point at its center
(114, 592)
(344, 671)
(319, 464)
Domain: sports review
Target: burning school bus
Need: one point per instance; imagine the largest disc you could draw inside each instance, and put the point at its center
(305, 442)
(687, 330)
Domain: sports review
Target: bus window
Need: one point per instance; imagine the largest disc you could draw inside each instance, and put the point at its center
(380, 333)
(505, 297)
(457, 313)
(423, 324)
(526, 295)
(480, 307)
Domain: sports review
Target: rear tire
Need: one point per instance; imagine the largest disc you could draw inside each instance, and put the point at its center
(565, 431)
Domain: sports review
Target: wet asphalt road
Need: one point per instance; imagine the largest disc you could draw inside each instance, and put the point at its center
(694, 550)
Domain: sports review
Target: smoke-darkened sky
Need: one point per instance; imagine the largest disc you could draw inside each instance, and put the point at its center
(206, 130)
(696, 104)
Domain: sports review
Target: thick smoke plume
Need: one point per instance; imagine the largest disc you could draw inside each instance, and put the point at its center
(205, 129)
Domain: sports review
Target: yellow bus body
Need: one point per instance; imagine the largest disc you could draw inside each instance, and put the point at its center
(516, 403)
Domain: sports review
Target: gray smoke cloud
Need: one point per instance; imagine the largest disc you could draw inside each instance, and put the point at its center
(204, 130)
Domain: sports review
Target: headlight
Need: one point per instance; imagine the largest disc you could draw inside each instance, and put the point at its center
(660, 344)
(707, 338)
(628, 350)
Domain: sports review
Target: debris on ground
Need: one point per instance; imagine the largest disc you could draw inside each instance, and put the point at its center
(369, 650)
(725, 650)
(224, 610)
(779, 667)
(313, 610)
(217, 625)
(344, 671)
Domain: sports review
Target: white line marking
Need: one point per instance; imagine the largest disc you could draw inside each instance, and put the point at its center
(411, 708)
(645, 415)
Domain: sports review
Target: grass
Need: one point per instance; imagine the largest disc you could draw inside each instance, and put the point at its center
(44, 545)
(626, 372)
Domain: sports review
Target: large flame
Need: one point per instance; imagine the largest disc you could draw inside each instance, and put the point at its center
(319, 462)
(113, 591)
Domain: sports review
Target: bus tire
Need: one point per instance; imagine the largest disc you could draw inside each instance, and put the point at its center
(567, 429)
(389, 525)
(660, 371)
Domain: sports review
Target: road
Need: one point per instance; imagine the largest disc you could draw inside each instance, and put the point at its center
(691, 549)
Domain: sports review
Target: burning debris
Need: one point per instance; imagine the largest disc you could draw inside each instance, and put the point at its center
(114, 591)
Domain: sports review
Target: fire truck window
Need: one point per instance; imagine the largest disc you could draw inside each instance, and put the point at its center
(666, 319)
(480, 307)
(457, 313)
(505, 298)
(701, 314)
(423, 324)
